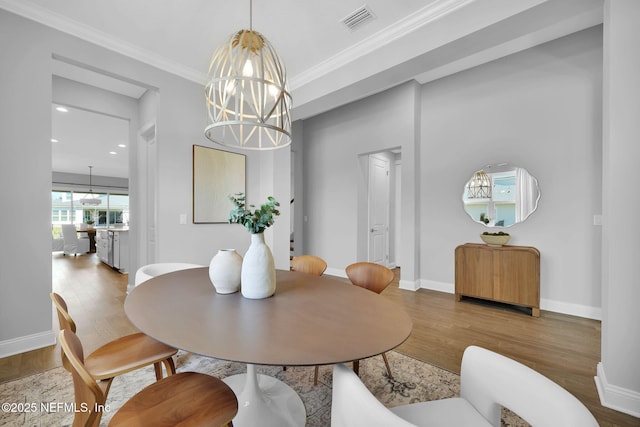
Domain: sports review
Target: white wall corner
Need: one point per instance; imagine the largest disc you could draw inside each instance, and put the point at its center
(409, 285)
(614, 397)
(571, 309)
(438, 286)
(27, 343)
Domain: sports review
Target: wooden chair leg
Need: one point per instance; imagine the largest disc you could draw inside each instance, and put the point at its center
(386, 363)
(356, 367)
(315, 376)
(157, 367)
(169, 366)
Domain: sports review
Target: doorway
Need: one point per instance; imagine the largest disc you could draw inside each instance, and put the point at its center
(383, 211)
(112, 99)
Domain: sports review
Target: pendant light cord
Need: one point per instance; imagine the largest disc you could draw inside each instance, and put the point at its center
(250, 15)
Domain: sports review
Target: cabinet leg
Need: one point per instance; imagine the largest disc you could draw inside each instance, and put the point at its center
(535, 312)
(458, 297)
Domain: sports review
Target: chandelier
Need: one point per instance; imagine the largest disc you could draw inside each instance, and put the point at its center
(90, 199)
(479, 187)
(248, 101)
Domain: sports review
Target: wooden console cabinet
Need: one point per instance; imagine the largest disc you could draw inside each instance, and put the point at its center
(508, 274)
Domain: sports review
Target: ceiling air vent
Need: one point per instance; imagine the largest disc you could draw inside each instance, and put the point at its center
(358, 17)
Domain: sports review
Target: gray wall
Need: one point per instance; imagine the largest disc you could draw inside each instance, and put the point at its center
(539, 109)
(335, 179)
(25, 132)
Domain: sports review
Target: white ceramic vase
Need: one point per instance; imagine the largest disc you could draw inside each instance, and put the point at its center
(258, 270)
(224, 271)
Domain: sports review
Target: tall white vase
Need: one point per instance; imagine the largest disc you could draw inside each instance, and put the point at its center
(258, 270)
(224, 271)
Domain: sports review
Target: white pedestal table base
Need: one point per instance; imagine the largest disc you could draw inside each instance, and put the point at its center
(265, 401)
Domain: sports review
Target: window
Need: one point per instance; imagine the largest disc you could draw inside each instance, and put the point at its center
(66, 208)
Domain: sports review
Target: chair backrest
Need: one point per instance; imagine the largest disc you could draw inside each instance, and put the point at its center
(353, 405)
(89, 396)
(309, 264)
(64, 319)
(69, 233)
(490, 381)
(369, 275)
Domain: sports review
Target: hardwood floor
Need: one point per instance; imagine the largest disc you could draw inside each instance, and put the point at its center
(564, 348)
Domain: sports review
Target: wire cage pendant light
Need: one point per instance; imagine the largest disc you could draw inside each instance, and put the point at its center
(248, 101)
(479, 187)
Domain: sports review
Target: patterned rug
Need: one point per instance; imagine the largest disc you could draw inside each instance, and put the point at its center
(45, 399)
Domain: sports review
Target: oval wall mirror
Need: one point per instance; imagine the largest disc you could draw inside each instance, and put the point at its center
(500, 195)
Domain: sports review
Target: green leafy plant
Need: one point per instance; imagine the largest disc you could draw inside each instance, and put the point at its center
(499, 233)
(255, 221)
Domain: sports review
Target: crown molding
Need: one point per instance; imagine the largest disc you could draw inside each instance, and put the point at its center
(434, 11)
(397, 30)
(107, 41)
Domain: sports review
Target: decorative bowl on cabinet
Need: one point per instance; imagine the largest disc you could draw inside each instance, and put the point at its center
(495, 239)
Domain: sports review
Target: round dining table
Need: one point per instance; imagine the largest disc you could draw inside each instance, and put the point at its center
(310, 320)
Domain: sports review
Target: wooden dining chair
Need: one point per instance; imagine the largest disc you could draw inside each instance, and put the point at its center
(309, 264)
(185, 399)
(122, 355)
(376, 278)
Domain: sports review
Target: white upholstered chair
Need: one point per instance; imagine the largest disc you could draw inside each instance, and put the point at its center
(149, 271)
(72, 244)
(488, 381)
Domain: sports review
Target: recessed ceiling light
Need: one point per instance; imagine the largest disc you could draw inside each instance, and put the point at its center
(62, 109)
(112, 152)
(54, 140)
(122, 145)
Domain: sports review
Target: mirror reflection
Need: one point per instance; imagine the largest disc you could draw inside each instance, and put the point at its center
(501, 195)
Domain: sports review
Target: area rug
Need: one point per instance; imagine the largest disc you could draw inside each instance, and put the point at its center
(46, 399)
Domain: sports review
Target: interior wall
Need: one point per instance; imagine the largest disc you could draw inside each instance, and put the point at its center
(618, 378)
(25, 171)
(25, 82)
(333, 144)
(539, 109)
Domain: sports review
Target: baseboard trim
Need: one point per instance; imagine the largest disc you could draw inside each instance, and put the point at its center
(409, 285)
(571, 309)
(545, 304)
(433, 285)
(614, 397)
(27, 343)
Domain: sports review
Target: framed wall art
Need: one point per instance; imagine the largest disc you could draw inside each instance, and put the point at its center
(216, 174)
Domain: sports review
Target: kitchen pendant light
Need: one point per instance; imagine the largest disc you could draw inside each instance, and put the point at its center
(248, 101)
(90, 199)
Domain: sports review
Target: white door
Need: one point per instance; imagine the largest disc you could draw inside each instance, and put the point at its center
(379, 209)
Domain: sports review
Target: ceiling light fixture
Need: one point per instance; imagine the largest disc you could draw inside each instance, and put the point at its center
(90, 200)
(248, 101)
(62, 109)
